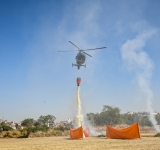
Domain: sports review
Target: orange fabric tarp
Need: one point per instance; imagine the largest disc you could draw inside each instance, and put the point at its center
(87, 132)
(76, 133)
(132, 132)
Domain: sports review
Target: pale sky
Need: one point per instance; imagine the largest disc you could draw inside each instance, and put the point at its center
(35, 79)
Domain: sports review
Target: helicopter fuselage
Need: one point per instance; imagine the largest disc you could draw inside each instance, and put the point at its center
(80, 58)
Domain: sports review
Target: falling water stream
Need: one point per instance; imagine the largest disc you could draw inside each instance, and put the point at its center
(79, 113)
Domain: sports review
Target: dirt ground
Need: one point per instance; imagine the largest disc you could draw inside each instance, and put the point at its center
(147, 142)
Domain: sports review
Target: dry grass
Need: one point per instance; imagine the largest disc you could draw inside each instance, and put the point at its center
(92, 143)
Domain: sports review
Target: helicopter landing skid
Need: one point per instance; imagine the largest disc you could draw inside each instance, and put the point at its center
(78, 65)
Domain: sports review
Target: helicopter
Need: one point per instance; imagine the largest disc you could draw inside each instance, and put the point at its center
(81, 56)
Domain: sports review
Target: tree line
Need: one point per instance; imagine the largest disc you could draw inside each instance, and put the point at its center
(108, 116)
(34, 128)
(41, 124)
(111, 116)
(41, 121)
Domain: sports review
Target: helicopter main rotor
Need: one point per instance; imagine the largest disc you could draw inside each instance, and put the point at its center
(82, 50)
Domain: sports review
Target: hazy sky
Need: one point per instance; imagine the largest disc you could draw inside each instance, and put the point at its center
(35, 79)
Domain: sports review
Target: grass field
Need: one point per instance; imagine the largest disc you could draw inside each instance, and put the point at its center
(147, 142)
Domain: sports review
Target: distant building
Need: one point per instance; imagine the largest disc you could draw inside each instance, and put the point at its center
(68, 123)
(68, 120)
(130, 113)
(143, 113)
(154, 113)
(5, 121)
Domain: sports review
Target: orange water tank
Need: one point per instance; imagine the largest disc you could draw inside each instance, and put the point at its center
(78, 81)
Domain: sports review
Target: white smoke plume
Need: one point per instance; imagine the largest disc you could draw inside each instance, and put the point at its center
(92, 129)
(137, 60)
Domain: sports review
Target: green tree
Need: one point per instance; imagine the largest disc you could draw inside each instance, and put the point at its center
(4, 127)
(16, 126)
(97, 119)
(145, 121)
(90, 117)
(28, 122)
(43, 120)
(37, 123)
(131, 118)
(110, 115)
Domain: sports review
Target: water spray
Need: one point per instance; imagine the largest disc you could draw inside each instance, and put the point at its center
(79, 114)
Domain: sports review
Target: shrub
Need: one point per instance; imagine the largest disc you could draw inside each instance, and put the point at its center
(38, 131)
(101, 135)
(61, 128)
(157, 135)
(4, 127)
